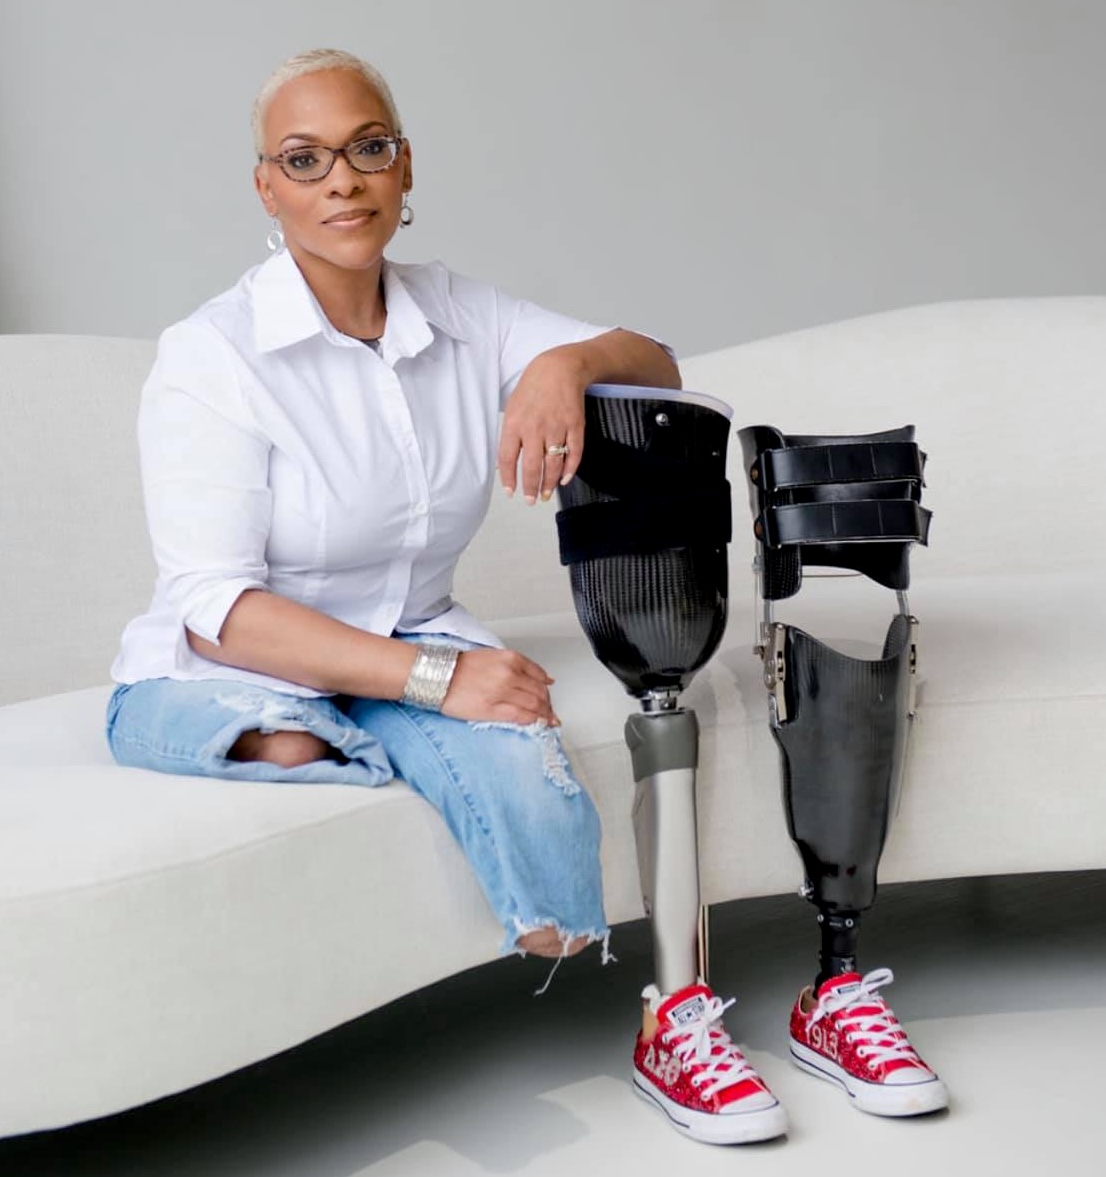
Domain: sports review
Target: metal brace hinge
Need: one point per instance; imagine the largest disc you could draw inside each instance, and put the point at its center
(765, 622)
(912, 687)
(775, 672)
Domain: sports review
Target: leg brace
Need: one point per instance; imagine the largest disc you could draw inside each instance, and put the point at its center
(840, 722)
(643, 529)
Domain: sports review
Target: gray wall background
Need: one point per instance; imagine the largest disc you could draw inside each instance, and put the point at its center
(709, 170)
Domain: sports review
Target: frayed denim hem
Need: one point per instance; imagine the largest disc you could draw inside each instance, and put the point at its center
(511, 947)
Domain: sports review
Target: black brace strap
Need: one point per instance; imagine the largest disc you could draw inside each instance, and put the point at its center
(779, 469)
(861, 520)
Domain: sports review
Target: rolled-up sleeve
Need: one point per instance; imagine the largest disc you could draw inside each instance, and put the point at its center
(526, 330)
(205, 468)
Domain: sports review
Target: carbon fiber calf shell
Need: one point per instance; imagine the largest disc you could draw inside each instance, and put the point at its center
(652, 620)
(842, 750)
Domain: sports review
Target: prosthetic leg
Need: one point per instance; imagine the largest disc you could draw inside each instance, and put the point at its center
(643, 529)
(841, 724)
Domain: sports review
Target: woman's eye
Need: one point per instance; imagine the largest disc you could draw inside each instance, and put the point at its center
(301, 161)
(367, 148)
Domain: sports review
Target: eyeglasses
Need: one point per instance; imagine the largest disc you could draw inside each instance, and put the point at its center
(305, 164)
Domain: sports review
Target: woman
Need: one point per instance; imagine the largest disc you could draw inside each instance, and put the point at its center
(318, 445)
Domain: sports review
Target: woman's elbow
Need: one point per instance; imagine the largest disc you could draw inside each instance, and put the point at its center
(202, 646)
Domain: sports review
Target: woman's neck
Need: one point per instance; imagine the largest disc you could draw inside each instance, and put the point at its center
(353, 300)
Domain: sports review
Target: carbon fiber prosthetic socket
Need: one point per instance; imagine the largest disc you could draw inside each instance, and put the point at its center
(841, 723)
(643, 529)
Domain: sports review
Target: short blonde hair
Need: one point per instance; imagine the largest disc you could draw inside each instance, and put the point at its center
(311, 62)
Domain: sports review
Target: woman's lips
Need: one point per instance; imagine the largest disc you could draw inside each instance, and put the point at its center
(350, 220)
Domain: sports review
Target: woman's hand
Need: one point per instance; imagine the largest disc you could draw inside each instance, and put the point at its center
(547, 406)
(546, 409)
(499, 686)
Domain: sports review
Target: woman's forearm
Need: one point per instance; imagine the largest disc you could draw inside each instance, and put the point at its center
(273, 635)
(624, 357)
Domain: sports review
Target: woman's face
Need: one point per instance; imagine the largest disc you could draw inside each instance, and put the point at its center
(348, 217)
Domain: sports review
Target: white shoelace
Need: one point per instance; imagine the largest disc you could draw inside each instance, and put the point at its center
(696, 1043)
(882, 1037)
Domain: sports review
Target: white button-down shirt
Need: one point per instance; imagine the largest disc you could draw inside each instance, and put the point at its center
(279, 453)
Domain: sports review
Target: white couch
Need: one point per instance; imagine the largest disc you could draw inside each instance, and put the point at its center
(160, 931)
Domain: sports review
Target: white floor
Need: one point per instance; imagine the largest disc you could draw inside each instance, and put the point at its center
(1000, 982)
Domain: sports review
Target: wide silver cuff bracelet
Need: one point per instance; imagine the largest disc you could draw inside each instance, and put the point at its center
(430, 677)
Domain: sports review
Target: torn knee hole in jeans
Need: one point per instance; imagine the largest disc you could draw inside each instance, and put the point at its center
(268, 717)
(554, 762)
(271, 714)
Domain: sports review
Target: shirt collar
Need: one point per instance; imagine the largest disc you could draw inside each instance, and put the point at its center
(286, 312)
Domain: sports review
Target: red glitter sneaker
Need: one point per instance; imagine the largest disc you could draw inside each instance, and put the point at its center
(694, 1073)
(848, 1035)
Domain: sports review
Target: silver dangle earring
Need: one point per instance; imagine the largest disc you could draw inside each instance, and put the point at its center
(275, 241)
(407, 213)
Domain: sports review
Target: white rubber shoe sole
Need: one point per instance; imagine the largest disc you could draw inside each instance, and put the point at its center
(926, 1095)
(745, 1127)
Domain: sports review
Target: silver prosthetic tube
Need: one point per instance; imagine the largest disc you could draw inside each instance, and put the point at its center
(664, 748)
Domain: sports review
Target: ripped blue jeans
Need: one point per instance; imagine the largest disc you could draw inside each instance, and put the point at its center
(508, 794)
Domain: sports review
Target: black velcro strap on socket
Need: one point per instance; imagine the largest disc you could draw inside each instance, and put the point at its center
(646, 524)
(778, 469)
(860, 521)
(614, 468)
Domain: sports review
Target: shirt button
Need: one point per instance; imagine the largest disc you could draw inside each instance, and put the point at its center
(421, 508)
